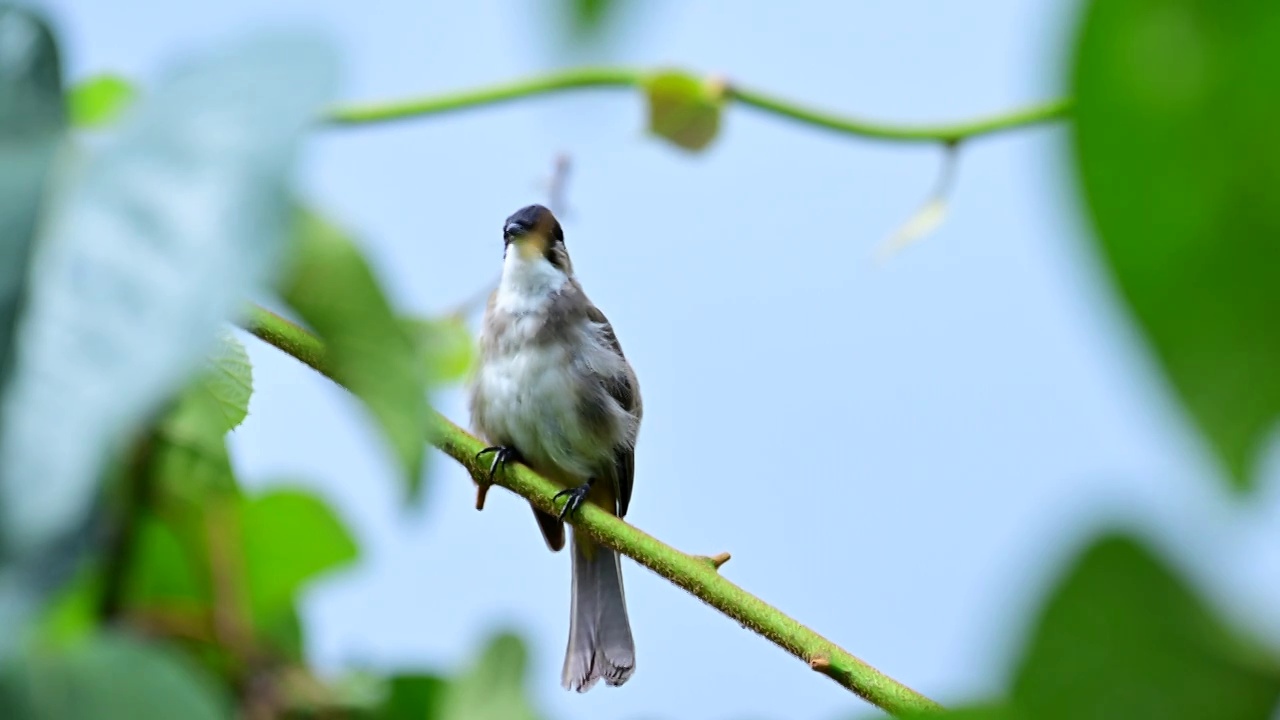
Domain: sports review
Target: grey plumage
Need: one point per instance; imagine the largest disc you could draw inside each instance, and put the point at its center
(553, 384)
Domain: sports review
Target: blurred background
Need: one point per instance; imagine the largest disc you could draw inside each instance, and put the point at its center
(899, 454)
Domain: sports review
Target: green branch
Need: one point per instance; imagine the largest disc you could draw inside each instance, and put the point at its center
(495, 95)
(695, 574)
(623, 78)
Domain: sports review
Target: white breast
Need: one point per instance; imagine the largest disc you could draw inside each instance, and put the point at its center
(527, 393)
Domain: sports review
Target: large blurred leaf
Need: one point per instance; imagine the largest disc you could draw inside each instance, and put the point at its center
(110, 677)
(684, 109)
(447, 347)
(494, 688)
(369, 350)
(1123, 637)
(281, 540)
(290, 537)
(152, 245)
(1178, 152)
(99, 100)
(31, 124)
(164, 572)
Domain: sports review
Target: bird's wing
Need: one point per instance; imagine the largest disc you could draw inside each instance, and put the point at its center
(626, 391)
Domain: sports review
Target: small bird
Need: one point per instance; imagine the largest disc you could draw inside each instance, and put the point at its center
(553, 390)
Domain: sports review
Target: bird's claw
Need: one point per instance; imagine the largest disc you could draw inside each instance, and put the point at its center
(574, 498)
(501, 456)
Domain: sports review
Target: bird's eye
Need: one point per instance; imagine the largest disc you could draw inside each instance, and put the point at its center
(514, 230)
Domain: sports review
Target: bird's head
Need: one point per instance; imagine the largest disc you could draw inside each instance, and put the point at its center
(534, 233)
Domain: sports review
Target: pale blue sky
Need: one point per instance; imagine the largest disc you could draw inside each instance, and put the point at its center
(895, 454)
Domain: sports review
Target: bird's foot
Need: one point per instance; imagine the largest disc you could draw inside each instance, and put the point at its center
(574, 498)
(502, 455)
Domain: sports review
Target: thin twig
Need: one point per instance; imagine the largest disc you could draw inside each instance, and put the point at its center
(630, 78)
(231, 624)
(690, 572)
(557, 184)
(556, 201)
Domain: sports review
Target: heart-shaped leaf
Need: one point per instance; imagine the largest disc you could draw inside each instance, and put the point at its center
(109, 677)
(32, 120)
(1177, 151)
(369, 349)
(150, 247)
(447, 346)
(494, 688)
(1122, 636)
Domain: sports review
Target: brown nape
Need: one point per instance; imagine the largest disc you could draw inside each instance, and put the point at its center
(545, 223)
(559, 257)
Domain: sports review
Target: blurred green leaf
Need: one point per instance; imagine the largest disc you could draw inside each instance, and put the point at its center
(189, 454)
(1178, 154)
(290, 537)
(149, 246)
(189, 468)
(370, 351)
(684, 109)
(31, 124)
(1123, 637)
(447, 347)
(110, 677)
(413, 697)
(225, 387)
(72, 615)
(587, 18)
(99, 100)
(32, 121)
(165, 573)
(283, 539)
(354, 694)
(283, 633)
(494, 688)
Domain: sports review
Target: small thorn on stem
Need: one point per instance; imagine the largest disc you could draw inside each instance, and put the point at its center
(482, 491)
(820, 663)
(715, 561)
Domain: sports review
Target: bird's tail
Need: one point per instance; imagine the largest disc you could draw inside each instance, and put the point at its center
(600, 644)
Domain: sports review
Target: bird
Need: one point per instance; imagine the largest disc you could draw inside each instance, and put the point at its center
(553, 390)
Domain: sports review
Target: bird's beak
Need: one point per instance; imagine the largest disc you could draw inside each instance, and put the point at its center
(529, 243)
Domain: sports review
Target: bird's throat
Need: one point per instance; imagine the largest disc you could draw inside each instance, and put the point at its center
(531, 247)
(527, 281)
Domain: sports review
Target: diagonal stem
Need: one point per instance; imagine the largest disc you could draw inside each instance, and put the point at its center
(695, 574)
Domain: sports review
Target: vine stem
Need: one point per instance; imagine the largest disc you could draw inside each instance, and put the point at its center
(630, 78)
(697, 574)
